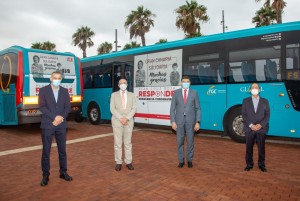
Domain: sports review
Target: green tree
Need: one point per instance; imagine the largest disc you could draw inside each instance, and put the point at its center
(162, 40)
(105, 47)
(37, 45)
(264, 17)
(82, 39)
(189, 17)
(47, 45)
(277, 6)
(133, 44)
(139, 22)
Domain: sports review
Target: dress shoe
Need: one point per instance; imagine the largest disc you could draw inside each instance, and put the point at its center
(248, 168)
(118, 167)
(190, 164)
(44, 181)
(130, 166)
(180, 165)
(65, 176)
(263, 168)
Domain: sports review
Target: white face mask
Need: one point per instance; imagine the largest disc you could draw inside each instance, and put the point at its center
(254, 92)
(123, 87)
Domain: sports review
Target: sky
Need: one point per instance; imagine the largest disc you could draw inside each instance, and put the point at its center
(24, 22)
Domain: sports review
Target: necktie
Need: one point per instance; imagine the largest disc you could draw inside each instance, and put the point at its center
(184, 97)
(123, 100)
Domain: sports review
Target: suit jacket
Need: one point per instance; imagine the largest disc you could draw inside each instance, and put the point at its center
(192, 108)
(50, 109)
(261, 116)
(117, 110)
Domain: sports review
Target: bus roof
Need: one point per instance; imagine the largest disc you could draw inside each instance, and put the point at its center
(203, 39)
(19, 48)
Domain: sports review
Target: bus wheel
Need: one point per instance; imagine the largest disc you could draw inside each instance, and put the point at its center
(94, 113)
(234, 125)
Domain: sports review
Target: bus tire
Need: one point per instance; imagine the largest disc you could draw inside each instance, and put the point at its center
(234, 124)
(94, 113)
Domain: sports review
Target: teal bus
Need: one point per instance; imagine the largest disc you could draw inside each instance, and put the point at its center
(24, 71)
(221, 68)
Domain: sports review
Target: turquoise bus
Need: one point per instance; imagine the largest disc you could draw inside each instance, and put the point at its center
(221, 68)
(24, 71)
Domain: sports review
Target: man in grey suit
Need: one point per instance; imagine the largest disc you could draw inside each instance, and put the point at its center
(123, 108)
(256, 115)
(185, 113)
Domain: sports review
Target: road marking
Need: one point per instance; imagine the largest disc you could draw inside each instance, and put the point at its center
(33, 148)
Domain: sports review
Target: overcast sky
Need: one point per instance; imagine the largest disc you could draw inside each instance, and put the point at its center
(24, 22)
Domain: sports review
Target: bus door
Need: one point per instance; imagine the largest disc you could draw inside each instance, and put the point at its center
(8, 114)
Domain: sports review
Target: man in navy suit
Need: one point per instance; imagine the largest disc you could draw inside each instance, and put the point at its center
(185, 114)
(54, 103)
(256, 115)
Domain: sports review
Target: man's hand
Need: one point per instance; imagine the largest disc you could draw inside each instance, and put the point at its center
(196, 127)
(58, 120)
(124, 121)
(174, 126)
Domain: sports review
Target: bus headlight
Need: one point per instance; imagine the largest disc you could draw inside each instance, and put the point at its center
(29, 100)
(76, 99)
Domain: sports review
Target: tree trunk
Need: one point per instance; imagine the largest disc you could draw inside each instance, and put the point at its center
(279, 17)
(143, 40)
(84, 53)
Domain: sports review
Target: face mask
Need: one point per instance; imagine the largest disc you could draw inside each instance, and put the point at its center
(123, 87)
(254, 92)
(185, 85)
(56, 83)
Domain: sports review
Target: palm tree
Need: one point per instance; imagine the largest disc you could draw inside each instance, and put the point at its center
(104, 48)
(264, 17)
(133, 44)
(82, 38)
(37, 45)
(139, 22)
(49, 46)
(189, 18)
(278, 6)
(162, 40)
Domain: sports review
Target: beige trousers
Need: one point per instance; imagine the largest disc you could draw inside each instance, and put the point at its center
(120, 133)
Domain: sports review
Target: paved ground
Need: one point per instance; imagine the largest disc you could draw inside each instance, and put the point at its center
(217, 174)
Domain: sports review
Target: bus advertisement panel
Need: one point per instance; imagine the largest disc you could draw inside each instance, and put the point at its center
(157, 75)
(41, 67)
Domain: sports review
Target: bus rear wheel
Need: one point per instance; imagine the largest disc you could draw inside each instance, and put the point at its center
(234, 124)
(94, 113)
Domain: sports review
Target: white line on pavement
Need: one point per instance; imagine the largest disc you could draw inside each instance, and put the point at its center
(15, 151)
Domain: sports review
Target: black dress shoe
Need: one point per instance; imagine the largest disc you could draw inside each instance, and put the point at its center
(180, 165)
(44, 181)
(248, 168)
(130, 166)
(65, 176)
(263, 168)
(118, 167)
(190, 164)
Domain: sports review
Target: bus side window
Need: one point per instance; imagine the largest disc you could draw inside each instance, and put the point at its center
(221, 72)
(97, 81)
(88, 81)
(248, 72)
(270, 70)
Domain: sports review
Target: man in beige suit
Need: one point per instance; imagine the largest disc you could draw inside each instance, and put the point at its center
(123, 108)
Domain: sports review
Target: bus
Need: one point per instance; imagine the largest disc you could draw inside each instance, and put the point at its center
(221, 68)
(24, 71)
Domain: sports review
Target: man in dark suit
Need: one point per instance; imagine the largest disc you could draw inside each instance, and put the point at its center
(256, 115)
(54, 103)
(185, 114)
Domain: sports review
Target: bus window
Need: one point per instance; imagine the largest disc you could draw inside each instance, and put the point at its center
(8, 71)
(292, 62)
(129, 76)
(255, 65)
(205, 72)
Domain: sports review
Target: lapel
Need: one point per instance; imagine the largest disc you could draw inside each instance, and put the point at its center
(189, 96)
(50, 91)
(59, 97)
(119, 98)
(259, 105)
(252, 105)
